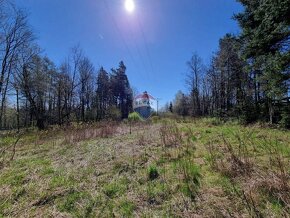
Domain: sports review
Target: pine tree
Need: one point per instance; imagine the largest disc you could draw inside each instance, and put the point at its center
(121, 90)
(170, 107)
(265, 36)
(102, 93)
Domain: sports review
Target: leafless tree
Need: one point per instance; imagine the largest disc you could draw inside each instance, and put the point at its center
(194, 77)
(86, 70)
(15, 35)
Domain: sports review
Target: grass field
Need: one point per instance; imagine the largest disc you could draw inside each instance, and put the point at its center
(166, 168)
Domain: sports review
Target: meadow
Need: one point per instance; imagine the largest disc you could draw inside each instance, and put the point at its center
(163, 168)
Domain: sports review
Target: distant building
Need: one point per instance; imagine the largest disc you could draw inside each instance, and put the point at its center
(142, 105)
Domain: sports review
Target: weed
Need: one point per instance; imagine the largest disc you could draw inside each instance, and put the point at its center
(142, 140)
(191, 178)
(153, 172)
(114, 188)
(170, 134)
(157, 191)
(68, 203)
(127, 208)
(248, 201)
(229, 160)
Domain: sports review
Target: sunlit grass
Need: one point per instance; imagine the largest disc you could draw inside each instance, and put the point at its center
(142, 174)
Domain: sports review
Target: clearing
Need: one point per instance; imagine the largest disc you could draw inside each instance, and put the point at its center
(165, 168)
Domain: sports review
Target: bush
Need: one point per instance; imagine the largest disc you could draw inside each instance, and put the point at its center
(134, 117)
(285, 121)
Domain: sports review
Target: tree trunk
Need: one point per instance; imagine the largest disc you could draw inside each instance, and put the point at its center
(17, 108)
(271, 111)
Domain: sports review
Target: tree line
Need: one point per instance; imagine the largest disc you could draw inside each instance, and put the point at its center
(36, 92)
(249, 76)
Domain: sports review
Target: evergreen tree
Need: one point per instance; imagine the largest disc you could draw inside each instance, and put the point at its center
(102, 93)
(121, 90)
(266, 41)
(170, 107)
(229, 65)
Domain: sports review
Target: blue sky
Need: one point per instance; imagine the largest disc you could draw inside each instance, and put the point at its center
(155, 41)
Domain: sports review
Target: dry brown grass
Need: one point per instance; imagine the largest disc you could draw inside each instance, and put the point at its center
(261, 175)
(87, 132)
(105, 173)
(170, 134)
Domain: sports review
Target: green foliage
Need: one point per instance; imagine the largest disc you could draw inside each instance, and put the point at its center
(265, 34)
(13, 178)
(153, 172)
(157, 191)
(59, 180)
(121, 90)
(191, 178)
(6, 141)
(113, 189)
(134, 117)
(285, 121)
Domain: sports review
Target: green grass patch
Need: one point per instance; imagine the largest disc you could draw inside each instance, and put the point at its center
(115, 188)
(126, 208)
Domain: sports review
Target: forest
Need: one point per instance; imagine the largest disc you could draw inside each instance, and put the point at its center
(35, 92)
(248, 77)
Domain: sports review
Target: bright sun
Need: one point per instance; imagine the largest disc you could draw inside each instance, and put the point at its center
(130, 5)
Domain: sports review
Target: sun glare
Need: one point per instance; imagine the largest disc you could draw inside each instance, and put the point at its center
(130, 5)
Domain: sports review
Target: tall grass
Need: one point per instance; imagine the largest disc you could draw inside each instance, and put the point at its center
(263, 168)
(170, 134)
(87, 132)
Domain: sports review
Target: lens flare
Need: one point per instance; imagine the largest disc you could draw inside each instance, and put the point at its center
(130, 5)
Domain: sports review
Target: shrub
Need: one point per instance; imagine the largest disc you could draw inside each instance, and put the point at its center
(134, 117)
(285, 121)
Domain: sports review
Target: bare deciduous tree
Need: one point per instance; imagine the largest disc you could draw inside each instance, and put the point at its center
(15, 35)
